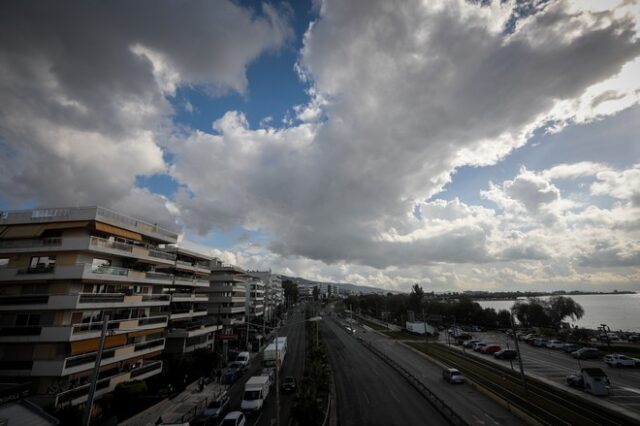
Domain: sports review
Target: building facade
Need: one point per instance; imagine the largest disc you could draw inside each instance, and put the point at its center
(62, 271)
(227, 294)
(189, 326)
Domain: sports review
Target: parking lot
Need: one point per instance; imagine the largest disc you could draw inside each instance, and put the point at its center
(554, 366)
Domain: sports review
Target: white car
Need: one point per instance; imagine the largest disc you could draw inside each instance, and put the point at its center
(234, 418)
(619, 360)
(453, 376)
(555, 344)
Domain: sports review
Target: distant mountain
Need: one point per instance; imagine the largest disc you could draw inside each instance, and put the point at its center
(303, 282)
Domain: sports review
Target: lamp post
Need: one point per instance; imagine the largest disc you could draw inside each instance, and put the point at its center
(606, 330)
(96, 372)
(515, 339)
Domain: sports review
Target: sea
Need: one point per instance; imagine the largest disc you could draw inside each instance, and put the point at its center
(621, 312)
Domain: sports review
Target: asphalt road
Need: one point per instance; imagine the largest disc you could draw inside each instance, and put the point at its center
(473, 406)
(293, 365)
(368, 391)
(554, 366)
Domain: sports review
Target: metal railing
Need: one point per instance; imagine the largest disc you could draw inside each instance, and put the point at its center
(101, 242)
(161, 254)
(40, 242)
(101, 298)
(146, 368)
(110, 270)
(24, 300)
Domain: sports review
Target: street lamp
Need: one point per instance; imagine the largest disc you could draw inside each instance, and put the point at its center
(515, 339)
(606, 330)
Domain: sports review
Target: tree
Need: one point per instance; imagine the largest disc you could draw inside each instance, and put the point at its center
(560, 307)
(415, 298)
(532, 313)
(290, 291)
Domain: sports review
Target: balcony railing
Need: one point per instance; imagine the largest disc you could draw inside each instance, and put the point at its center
(116, 324)
(159, 276)
(21, 331)
(101, 298)
(37, 270)
(39, 242)
(24, 300)
(110, 270)
(162, 254)
(148, 345)
(104, 243)
(146, 368)
(156, 297)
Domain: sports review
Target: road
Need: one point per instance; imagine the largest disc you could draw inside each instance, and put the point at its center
(555, 365)
(368, 391)
(293, 366)
(470, 404)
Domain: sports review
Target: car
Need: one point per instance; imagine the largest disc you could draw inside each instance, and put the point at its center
(478, 345)
(231, 374)
(453, 376)
(506, 354)
(470, 343)
(619, 360)
(586, 353)
(575, 380)
(555, 344)
(234, 418)
(490, 349)
(527, 337)
(238, 365)
(634, 338)
(570, 347)
(288, 384)
(243, 358)
(219, 407)
(539, 343)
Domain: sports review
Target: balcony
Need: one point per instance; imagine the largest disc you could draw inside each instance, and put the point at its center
(186, 313)
(79, 363)
(94, 329)
(232, 309)
(79, 394)
(189, 297)
(82, 301)
(192, 330)
(11, 245)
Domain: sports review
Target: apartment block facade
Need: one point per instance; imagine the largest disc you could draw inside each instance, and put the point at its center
(227, 293)
(61, 272)
(190, 327)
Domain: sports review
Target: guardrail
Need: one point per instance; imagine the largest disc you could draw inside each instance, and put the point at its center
(545, 404)
(447, 412)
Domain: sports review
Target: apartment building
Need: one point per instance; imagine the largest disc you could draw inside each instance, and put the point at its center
(273, 293)
(254, 302)
(189, 327)
(61, 272)
(227, 293)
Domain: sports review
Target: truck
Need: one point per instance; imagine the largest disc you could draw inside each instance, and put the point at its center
(592, 380)
(269, 356)
(256, 391)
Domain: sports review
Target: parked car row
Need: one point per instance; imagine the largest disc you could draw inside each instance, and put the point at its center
(577, 351)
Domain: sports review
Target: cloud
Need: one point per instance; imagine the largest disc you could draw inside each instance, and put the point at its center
(84, 85)
(409, 92)
(623, 185)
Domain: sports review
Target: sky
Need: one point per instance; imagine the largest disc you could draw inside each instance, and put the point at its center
(461, 145)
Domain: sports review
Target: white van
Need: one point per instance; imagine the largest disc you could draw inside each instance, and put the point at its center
(243, 358)
(256, 391)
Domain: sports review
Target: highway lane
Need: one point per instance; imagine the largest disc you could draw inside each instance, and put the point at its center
(294, 329)
(474, 407)
(554, 366)
(368, 391)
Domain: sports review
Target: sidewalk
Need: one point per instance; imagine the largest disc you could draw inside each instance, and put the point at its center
(180, 409)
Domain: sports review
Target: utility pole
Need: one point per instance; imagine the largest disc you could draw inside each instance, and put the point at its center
(515, 339)
(96, 372)
(277, 382)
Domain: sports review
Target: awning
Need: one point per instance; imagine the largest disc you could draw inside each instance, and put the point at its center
(114, 230)
(35, 230)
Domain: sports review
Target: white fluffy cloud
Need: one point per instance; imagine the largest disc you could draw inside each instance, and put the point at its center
(401, 95)
(84, 85)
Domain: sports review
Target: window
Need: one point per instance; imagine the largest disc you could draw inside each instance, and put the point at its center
(24, 320)
(4, 262)
(42, 262)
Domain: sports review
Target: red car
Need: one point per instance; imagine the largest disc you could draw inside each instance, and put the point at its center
(490, 349)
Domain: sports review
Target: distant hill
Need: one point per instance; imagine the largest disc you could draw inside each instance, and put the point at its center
(303, 282)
